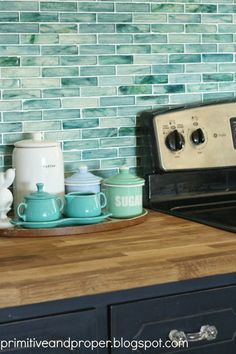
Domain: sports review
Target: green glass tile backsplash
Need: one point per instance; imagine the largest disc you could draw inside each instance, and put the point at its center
(80, 71)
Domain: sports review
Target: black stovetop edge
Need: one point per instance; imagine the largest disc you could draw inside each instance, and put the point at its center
(199, 221)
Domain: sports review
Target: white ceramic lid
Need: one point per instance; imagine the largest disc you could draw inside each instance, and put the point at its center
(82, 176)
(36, 142)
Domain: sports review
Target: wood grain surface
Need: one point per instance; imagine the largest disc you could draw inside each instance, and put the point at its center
(160, 250)
(106, 225)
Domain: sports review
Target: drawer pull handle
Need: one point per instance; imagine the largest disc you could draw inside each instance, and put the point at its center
(207, 332)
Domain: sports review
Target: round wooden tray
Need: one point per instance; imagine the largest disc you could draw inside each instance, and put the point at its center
(108, 225)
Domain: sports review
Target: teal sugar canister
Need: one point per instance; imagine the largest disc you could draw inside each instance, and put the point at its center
(124, 194)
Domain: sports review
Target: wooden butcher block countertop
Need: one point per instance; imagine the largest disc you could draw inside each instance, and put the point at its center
(160, 250)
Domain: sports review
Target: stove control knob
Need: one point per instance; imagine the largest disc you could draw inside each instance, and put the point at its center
(175, 141)
(197, 137)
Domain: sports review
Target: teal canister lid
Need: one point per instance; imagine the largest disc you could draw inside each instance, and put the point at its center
(124, 178)
(40, 194)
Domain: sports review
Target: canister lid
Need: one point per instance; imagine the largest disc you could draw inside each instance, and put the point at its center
(40, 194)
(82, 176)
(124, 177)
(36, 142)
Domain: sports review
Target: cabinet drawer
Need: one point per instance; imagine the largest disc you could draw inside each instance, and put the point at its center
(76, 326)
(153, 319)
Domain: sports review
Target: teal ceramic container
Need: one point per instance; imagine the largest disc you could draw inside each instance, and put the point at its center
(83, 205)
(40, 206)
(124, 194)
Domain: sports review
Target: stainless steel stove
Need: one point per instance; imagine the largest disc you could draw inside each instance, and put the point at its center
(189, 162)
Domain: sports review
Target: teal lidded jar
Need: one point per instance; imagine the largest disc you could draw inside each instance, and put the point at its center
(124, 194)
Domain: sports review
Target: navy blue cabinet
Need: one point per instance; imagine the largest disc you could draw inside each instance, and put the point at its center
(130, 320)
(190, 315)
(53, 334)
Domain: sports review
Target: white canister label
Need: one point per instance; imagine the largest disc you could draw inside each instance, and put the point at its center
(128, 201)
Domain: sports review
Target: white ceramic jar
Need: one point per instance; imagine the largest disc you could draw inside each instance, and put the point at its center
(83, 181)
(37, 161)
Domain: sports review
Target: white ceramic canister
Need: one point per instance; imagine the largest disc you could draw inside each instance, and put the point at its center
(37, 160)
(83, 181)
(124, 194)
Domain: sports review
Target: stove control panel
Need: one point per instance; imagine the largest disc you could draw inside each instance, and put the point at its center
(200, 137)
